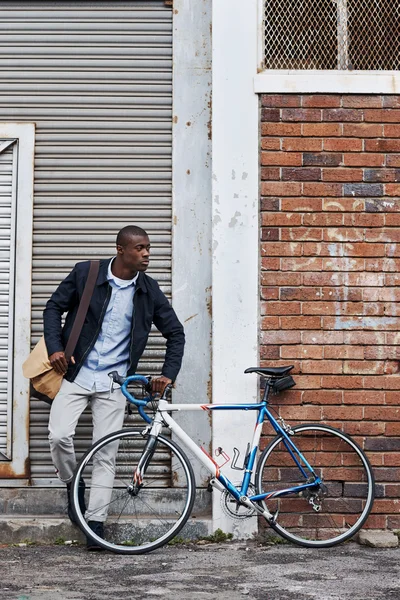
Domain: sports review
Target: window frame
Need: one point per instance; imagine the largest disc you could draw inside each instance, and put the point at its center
(319, 81)
(16, 465)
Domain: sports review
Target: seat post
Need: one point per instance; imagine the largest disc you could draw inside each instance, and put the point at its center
(266, 391)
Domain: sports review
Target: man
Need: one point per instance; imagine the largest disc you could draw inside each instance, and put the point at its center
(124, 304)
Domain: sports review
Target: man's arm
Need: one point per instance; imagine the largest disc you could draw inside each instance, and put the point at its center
(170, 327)
(63, 299)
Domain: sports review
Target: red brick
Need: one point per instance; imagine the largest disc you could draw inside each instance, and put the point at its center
(301, 233)
(322, 337)
(382, 116)
(322, 189)
(281, 219)
(280, 100)
(321, 101)
(270, 264)
(363, 397)
(366, 367)
(323, 219)
(382, 413)
(299, 293)
(364, 250)
(342, 115)
(281, 159)
(392, 189)
(281, 129)
(393, 160)
(364, 337)
(269, 233)
(391, 131)
(281, 249)
(337, 263)
(344, 205)
(342, 413)
(322, 397)
(300, 322)
(301, 174)
(321, 366)
(302, 264)
(302, 204)
(279, 279)
(362, 428)
(362, 130)
(301, 413)
(270, 173)
(280, 188)
(270, 114)
(385, 382)
(308, 382)
(342, 174)
(344, 382)
(320, 248)
(321, 129)
(393, 429)
(359, 101)
(301, 114)
(301, 352)
(269, 352)
(364, 160)
(281, 308)
(270, 204)
(382, 175)
(393, 220)
(343, 145)
(270, 143)
(280, 337)
(389, 145)
(269, 293)
(269, 323)
(302, 144)
(364, 220)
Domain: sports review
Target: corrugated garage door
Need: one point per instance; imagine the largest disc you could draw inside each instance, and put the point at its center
(96, 78)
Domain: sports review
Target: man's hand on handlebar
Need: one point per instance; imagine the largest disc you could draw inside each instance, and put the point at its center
(158, 384)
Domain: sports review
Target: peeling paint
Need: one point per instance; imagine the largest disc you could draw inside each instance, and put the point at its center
(233, 174)
(175, 120)
(244, 175)
(192, 317)
(233, 221)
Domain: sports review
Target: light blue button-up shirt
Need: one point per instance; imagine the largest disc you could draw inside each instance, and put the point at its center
(111, 350)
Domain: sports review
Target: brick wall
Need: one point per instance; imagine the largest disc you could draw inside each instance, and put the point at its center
(330, 269)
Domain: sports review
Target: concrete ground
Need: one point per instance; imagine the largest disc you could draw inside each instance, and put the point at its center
(232, 570)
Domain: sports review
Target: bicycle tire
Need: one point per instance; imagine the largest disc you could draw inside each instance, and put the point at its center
(345, 498)
(140, 523)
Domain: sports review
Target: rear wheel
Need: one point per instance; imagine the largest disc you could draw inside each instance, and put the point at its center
(138, 520)
(322, 515)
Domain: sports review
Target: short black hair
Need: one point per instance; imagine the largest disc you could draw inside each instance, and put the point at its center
(123, 236)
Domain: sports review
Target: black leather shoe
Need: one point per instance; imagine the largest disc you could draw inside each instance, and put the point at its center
(98, 528)
(81, 498)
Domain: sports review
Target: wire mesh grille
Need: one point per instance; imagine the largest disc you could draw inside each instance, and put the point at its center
(332, 34)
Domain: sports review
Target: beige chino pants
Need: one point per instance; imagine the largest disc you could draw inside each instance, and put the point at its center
(108, 415)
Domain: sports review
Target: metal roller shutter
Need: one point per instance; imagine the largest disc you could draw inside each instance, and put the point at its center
(96, 78)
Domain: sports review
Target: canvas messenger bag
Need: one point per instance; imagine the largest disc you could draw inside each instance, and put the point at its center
(45, 382)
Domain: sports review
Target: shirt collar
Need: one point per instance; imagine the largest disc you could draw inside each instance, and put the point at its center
(127, 283)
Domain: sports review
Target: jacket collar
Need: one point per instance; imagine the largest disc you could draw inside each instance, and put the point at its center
(103, 271)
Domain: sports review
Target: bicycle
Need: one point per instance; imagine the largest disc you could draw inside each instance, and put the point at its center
(313, 484)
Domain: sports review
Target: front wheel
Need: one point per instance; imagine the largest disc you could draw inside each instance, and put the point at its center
(137, 519)
(328, 513)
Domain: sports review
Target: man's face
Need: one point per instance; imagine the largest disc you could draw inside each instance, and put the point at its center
(136, 253)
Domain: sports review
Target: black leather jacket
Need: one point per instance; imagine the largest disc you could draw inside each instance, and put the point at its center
(150, 306)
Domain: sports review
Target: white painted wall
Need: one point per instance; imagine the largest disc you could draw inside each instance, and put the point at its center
(191, 241)
(235, 231)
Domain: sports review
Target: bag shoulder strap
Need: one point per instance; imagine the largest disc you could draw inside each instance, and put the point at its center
(82, 309)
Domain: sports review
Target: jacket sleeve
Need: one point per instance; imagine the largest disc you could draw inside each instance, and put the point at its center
(63, 299)
(169, 325)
